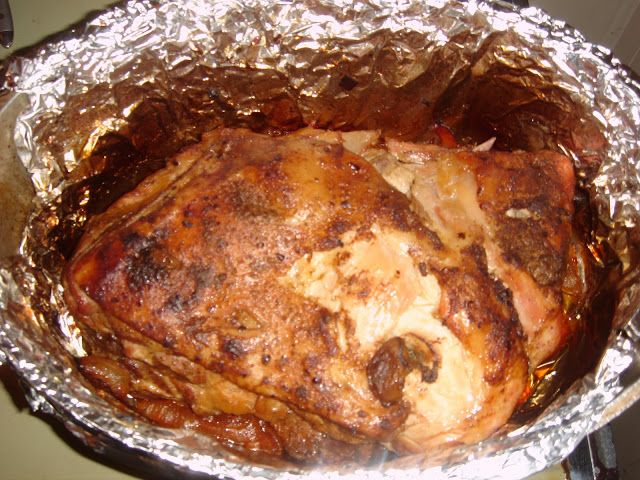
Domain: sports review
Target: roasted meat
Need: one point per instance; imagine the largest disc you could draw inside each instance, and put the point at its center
(331, 291)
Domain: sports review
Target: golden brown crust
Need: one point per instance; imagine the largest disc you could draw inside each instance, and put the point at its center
(530, 200)
(152, 273)
(194, 278)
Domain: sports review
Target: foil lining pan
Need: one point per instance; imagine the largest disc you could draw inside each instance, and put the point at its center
(160, 73)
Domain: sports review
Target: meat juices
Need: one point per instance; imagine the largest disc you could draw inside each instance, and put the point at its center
(328, 290)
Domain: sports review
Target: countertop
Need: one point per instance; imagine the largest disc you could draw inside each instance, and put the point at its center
(35, 447)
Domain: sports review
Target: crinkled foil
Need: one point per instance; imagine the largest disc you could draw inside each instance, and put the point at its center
(160, 73)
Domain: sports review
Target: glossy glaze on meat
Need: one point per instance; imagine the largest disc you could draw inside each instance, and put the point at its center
(330, 302)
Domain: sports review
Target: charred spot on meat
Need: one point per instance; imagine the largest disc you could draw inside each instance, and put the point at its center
(393, 361)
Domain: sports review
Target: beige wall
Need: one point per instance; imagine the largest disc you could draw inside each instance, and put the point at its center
(612, 23)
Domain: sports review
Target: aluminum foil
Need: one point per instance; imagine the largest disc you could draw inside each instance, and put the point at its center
(159, 73)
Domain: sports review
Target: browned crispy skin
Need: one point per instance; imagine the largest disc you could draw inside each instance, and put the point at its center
(197, 272)
(172, 391)
(543, 185)
(207, 258)
(267, 432)
(517, 205)
(528, 199)
(244, 432)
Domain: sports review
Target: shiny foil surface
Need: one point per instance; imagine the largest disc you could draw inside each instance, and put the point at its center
(149, 77)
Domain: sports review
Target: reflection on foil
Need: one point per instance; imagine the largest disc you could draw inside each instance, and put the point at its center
(145, 78)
